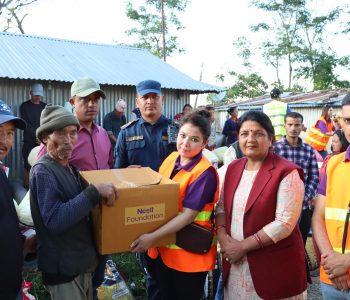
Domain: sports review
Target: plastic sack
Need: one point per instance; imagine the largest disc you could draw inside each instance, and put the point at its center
(219, 152)
(113, 286)
(23, 211)
(211, 157)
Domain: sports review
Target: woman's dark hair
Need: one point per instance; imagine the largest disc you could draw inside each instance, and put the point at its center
(325, 110)
(200, 119)
(187, 105)
(259, 117)
(342, 138)
(231, 109)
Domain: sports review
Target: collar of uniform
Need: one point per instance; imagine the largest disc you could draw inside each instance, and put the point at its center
(93, 127)
(347, 154)
(161, 120)
(189, 166)
(285, 142)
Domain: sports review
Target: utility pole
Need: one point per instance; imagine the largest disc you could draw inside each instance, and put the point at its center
(200, 79)
(163, 29)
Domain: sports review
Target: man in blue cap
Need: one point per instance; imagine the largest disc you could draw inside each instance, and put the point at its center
(11, 250)
(30, 111)
(144, 142)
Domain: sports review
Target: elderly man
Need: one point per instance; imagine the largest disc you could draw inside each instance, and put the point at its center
(330, 222)
(11, 250)
(114, 120)
(144, 142)
(60, 209)
(93, 150)
(30, 111)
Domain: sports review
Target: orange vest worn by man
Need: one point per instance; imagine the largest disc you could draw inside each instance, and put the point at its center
(337, 202)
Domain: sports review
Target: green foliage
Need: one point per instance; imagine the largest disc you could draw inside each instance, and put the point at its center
(38, 290)
(248, 84)
(323, 71)
(129, 267)
(149, 32)
(284, 44)
(299, 39)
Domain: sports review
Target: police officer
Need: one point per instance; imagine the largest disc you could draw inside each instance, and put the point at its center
(144, 142)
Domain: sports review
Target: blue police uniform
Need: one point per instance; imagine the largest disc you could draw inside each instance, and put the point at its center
(141, 143)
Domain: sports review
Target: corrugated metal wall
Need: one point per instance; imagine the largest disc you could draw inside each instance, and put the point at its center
(310, 114)
(14, 92)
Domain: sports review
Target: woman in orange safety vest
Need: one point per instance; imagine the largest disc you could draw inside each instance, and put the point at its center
(319, 134)
(181, 274)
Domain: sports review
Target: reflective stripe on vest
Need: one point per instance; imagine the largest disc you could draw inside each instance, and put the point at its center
(173, 256)
(336, 204)
(276, 110)
(337, 214)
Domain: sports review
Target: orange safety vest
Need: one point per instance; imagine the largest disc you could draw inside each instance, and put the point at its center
(337, 201)
(315, 138)
(172, 255)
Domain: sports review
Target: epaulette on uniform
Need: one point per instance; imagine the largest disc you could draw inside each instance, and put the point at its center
(129, 124)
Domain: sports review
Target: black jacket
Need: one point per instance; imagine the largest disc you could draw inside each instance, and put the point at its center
(11, 249)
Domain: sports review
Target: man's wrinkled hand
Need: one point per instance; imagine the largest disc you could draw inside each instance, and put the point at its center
(108, 191)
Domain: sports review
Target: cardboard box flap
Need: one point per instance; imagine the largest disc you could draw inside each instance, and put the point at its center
(124, 178)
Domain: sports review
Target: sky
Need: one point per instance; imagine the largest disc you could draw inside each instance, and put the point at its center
(210, 29)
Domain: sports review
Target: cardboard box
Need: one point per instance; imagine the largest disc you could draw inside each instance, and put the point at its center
(146, 201)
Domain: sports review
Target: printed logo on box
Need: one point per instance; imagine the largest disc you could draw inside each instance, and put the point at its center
(144, 214)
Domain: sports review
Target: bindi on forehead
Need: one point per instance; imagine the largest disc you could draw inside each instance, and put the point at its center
(252, 131)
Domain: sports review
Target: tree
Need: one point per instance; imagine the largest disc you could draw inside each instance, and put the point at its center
(11, 14)
(299, 39)
(248, 84)
(284, 26)
(318, 61)
(322, 71)
(155, 25)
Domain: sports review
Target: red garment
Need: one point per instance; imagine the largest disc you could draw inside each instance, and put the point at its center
(178, 116)
(279, 270)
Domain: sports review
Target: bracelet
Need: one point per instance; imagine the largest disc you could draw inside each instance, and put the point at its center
(259, 241)
(220, 226)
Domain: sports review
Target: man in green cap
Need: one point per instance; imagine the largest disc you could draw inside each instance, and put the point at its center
(60, 208)
(93, 150)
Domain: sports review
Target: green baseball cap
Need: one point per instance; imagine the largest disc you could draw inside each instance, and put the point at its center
(85, 86)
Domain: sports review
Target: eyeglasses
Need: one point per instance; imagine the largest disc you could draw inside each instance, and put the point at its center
(346, 121)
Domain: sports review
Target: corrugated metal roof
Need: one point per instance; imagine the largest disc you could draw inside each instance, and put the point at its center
(43, 58)
(312, 99)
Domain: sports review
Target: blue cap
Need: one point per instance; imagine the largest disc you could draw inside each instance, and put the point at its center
(148, 86)
(37, 90)
(6, 115)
